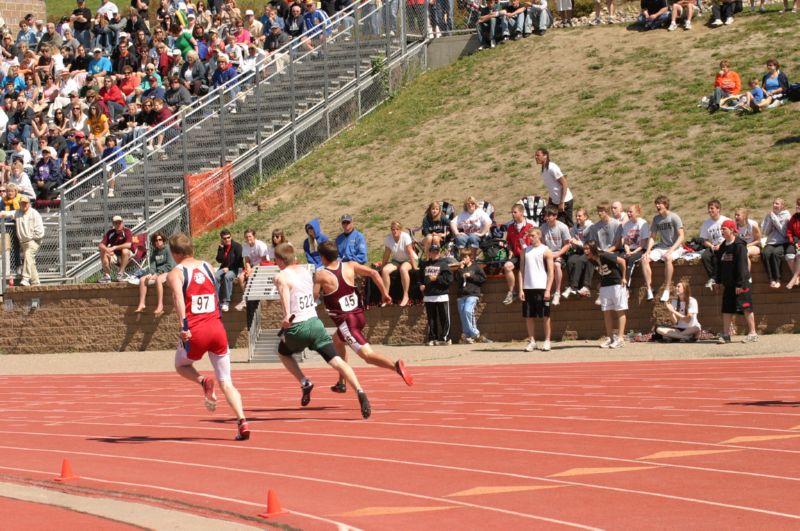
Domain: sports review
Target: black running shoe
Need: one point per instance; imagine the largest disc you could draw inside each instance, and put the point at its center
(366, 410)
(339, 388)
(306, 394)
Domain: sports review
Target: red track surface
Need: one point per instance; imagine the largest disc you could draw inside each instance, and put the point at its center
(666, 444)
(29, 516)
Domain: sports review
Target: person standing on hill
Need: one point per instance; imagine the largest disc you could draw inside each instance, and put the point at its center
(733, 275)
(559, 194)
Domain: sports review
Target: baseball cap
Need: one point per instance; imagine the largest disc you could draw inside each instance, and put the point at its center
(176, 52)
(434, 247)
(730, 225)
(122, 34)
(346, 218)
(24, 198)
(191, 16)
(98, 49)
(249, 12)
(116, 218)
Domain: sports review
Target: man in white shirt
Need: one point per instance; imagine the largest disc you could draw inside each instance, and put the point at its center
(107, 9)
(711, 234)
(30, 231)
(253, 252)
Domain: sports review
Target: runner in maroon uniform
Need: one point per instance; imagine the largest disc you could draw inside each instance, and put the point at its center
(195, 298)
(336, 283)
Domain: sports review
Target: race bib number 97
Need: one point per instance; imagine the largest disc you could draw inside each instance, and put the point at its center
(348, 302)
(202, 304)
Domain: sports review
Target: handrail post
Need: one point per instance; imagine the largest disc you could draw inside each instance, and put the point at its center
(3, 250)
(62, 233)
(401, 10)
(184, 153)
(325, 73)
(427, 29)
(292, 112)
(386, 29)
(104, 191)
(257, 94)
(223, 147)
(357, 14)
(146, 186)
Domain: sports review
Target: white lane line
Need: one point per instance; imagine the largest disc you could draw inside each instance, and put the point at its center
(308, 478)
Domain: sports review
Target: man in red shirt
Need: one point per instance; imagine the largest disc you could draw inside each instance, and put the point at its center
(115, 248)
(726, 83)
(515, 239)
(113, 97)
(195, 296)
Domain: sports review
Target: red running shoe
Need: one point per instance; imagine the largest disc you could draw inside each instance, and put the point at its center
(244, 431)
(208, 390)
(400, 367)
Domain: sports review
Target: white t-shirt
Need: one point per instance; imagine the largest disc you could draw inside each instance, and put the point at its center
(746, 233)
(551, 176)
(108, 9)
(398, 248)
(256, 253)
(635, 234)
(535, 274)
(478, 221)
(693, 310)
(712, 230)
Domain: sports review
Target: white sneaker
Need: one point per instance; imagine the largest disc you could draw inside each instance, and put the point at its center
(716, 22)
(672, 27)
(546, 346)
(509, 298)
(750, 338)
(617, 343)
(607, 342)
(729, 21)
(241, 306)
(710, 284)
(649, 294)
(556, 299)
(597, 301)
(687, 25)
(665, 296)
(584, 292)
(225, 307)
(25, 282)
(567, 292)
(531, 346)
(110, 192)
(596, 21)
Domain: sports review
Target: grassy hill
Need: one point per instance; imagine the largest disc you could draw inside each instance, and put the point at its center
(616, 108)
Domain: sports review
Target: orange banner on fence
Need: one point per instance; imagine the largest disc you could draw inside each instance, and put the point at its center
(210, 199)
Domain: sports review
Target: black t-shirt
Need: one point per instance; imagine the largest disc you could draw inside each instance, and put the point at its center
(609, 270)
(653, 6)
(82, 26)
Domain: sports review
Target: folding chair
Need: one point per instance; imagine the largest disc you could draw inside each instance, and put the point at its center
(139, 251)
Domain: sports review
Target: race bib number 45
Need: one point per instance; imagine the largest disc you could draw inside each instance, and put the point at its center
(348, 302)
(202, 304)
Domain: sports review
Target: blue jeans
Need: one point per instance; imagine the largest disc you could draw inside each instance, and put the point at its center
(225, 284)
(466, 311)
(467, 240)
(658, 22)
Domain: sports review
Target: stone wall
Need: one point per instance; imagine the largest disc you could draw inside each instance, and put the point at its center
(99, 318)
(13, 12)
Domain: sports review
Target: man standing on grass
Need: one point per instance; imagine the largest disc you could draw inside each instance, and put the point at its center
(195, 296)
(733, 275)
(301, 328)
(336, 283)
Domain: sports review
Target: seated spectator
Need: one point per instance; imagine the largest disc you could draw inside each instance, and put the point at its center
(793, 246)
(254, 252)
(517, 21)
(296, 26)
(607, 231)
(726, 84)
(115, 162)
(18, 177)
(314, 237)
(618, 213)
(685, 9)
(540, 16)
(161, 263)
(515, 241)
(99, 65)
(775, 83)
(579, 267)
(30, 231)
(668, 228)
(229, 257)
(193, 74)
(711, 234)
(683, 310)
(113, 97)
(98, 127)
(177, 95)
(398, 255)
(277, 238)
(47, 176)
(749, 231)
(469, 277)
(722, 12)
(10, 195)
(492, 24)
(351, 243)
(654, 14)
(77, 120)
(224, 73)
(316, 20)
(635, 234)
(471, 225)
(435, 227)
(773, 228)
(755, 100)
(18, 152)
(555, 235)
(115, 248)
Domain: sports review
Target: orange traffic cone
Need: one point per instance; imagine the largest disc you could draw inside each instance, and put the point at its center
(273, 506)
(66, 472)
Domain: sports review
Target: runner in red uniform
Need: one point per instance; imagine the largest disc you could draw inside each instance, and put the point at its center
(195, 298)
(336, 283)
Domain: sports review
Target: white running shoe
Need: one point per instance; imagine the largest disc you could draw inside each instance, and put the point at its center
(531, 346)
(687, 25)
(567, 292)
(750, 338)
(241, 306)
(597, 301)
(665, 296)
(728, 21)
(711, 283)
(649, 294)
(509, 298)
(556, 299)
(546, 346)
(617, 343)
(607, 342)
(672, 27)
(716, 22)
(225, 307)
(584, 292)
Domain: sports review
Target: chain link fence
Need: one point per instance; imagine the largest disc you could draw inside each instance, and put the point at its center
(429, 19)
(307, 92)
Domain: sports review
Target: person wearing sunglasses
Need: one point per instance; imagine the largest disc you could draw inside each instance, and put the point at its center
(161, 263)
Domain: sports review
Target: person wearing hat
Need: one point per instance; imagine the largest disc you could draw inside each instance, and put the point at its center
(30, 231)
(351, 243)
(47, 175)
(177, 95)
(99, 64)
(115, 248)
(224, 73)
(435, 287)
(254, 26)
(733, 274)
